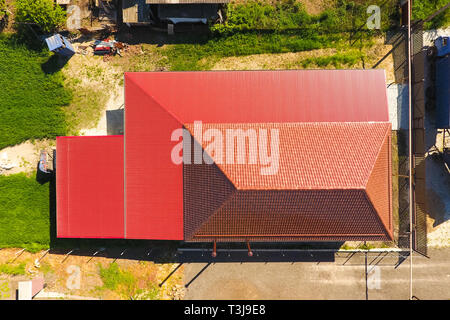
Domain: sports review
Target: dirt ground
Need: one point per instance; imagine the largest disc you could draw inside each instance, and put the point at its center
(25, 156)
(293, 60)
(58, 272)
(316, 6)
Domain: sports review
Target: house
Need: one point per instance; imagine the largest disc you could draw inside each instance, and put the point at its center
(138, 12)
(300, 155)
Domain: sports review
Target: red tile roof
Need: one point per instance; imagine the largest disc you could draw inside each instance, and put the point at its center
(333, 183)
(325, 155)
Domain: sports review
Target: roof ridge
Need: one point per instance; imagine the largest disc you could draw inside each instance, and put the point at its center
(218, 209)
(217, 165)
(388, 223)
(153, 98)
(380, 220)
(378, 153)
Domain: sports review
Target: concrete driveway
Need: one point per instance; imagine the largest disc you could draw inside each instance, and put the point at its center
(343, 279)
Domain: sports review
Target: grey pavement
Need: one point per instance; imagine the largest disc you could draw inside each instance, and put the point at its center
(345, 278)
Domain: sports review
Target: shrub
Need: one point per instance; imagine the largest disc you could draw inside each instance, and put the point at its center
(257, 15)
(44, 13)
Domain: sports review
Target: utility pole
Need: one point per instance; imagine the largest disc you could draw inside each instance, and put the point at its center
(411, 173)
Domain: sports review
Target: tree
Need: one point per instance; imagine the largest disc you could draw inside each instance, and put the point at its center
(3, 10)
(44, 13)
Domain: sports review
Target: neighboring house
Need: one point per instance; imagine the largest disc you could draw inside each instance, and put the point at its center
(331, 180)
(170, 11)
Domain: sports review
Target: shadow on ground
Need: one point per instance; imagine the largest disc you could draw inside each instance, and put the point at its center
(180, 252)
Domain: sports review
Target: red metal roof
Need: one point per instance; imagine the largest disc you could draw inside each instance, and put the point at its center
(266, 96)
(89, 187)
(157, 103)
(153, 184)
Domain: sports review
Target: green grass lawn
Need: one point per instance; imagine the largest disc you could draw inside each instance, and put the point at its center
(31, 100)
(24, 212)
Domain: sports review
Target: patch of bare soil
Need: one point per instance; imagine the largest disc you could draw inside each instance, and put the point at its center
(24, 157)
(279, 61)
(61, 274)
(6, 24)
(315, 7)
(97, 86)
(439, 237)
(374, 55)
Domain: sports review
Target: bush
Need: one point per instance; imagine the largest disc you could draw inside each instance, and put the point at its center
(125, 283)
(343, 16)
(285, 14)
(200, 56)
(44, 13)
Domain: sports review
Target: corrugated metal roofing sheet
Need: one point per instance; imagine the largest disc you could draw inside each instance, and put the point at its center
(60, 44)
(267, 96)
(89, 187)
(54, 42)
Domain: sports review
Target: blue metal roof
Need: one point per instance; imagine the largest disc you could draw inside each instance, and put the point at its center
(443, 46)
(54, 42)
(443, 92)
(59, 44)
